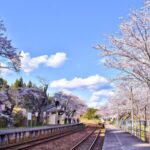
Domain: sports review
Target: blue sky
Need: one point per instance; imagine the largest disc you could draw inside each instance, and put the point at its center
(56, 39)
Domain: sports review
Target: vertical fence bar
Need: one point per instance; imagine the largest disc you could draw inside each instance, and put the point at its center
(145, 131)
(141, 129)
(149, 130)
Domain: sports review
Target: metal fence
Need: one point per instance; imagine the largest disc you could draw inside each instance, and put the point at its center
(140, 129)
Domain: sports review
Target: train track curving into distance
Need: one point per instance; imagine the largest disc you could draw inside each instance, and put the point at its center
(89, 142)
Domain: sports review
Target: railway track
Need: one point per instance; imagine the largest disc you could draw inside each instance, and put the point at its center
(35, 142)
(90, 142)
(99, 142)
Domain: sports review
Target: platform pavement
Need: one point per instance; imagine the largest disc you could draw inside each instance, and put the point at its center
(116, 139)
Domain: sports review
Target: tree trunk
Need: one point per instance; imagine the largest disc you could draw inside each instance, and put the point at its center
(38, 120)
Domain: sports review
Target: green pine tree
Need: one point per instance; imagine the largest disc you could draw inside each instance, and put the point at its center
(91, 113)
(3, 83)
(18, 83)
(29, 85)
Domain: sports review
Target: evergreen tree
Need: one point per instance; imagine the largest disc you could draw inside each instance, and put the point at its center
(21, 82)
(91, 113)
(18, 83)
(3, 83)
(29, 85)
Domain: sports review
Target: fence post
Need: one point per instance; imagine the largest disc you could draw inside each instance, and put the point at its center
(140, 129)
(149, 130)
(145, 131)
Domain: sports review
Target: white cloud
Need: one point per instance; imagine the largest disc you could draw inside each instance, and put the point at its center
(102, 61)
(56, 60)
(29, 64)
(92, 104)
(5, 71)
(97, 86)
(67, 91)
(100, 95)
(91, 82)
(96, 104)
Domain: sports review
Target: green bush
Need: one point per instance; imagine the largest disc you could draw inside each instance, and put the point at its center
(3, 122)
(19, 119)
(91, 114)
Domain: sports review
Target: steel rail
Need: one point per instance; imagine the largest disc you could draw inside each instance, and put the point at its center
(94, 142)
(83, 140)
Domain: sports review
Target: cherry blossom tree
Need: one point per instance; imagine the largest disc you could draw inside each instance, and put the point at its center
(9, 59)
(32, 99)
(72, 105)
(129, 53)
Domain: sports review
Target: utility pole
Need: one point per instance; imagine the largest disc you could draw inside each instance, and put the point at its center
(145, 115)
(118, 115)
(132, 112)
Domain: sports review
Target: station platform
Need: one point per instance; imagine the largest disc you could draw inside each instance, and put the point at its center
(18, 135)
(115, 139)
(12, 130)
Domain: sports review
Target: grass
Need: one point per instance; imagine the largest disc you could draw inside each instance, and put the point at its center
(91, 121)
